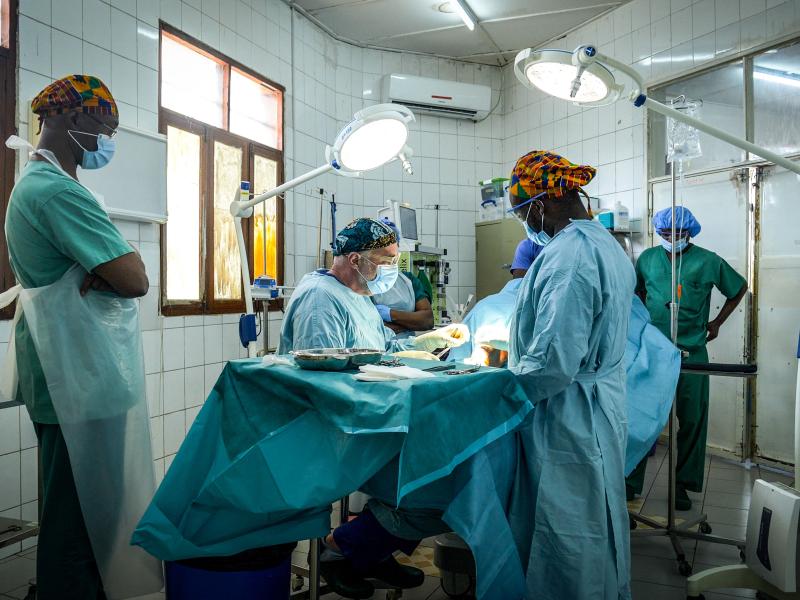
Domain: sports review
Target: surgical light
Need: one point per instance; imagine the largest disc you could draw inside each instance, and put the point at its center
(373, 144)
(584, 77)
(377, 135)
(465, 14)
(553, 72)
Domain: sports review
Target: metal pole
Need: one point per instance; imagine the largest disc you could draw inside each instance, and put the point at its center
(673, 314)
(313, 570)
(246, 281)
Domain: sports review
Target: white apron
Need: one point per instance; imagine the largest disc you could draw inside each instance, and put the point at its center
(90, 349)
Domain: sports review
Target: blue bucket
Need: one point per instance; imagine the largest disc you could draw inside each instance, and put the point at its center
(191, 583)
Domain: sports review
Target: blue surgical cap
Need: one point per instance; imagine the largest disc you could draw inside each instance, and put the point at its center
(525, 254)
(684, 219)
(387, 221)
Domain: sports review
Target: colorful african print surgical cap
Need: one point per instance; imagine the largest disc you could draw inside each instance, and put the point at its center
(539, 171)
(79, 93)
(363, 234)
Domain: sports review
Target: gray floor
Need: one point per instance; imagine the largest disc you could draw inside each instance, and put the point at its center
(654, 573)
(725, 499)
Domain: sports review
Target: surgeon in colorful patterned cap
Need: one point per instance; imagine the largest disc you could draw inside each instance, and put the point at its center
(567, 345)
(53, 224)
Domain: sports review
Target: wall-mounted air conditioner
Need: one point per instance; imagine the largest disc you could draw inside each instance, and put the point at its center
(437, 96)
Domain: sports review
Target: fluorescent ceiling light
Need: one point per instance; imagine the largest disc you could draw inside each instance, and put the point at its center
(463, 11)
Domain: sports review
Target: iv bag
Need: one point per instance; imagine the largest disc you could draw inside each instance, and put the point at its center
(683, 141)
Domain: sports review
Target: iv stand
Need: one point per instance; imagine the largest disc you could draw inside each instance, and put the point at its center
(671, 528)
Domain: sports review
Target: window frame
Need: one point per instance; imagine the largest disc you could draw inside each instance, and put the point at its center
(8, 126)
(208, 304)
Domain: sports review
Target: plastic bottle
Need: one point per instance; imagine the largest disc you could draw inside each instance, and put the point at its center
(622, 220)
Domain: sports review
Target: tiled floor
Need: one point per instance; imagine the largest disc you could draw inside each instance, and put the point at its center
(654, 573)
(725, 500)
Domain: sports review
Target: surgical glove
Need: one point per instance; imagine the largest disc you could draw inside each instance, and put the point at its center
(450, 336)
(418, 354)
(385, 312)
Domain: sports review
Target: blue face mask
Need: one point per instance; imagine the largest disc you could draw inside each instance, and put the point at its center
(541, 237)
(680, 245)
(96, 159)
(385, 278)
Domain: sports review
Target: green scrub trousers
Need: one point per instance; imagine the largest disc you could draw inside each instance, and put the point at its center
(692, 410)
(65, 564)
(700, 272)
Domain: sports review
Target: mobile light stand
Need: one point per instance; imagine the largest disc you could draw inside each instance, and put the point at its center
(377, 135)
(584, 77)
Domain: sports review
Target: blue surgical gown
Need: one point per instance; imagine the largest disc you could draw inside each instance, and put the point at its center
(567, 346)
(652, 365)
(324, 313)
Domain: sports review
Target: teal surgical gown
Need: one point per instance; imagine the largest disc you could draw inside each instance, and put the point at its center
(652, 365)
(324, 313)
(567, 346)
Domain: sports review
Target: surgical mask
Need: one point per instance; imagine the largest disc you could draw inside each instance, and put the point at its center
(385, 278)
(680, 245)
(96, 159)
(541, 238)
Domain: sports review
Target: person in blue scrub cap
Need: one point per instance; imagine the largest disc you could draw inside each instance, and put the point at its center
(406, 308)
(698, 272)
(567, 346)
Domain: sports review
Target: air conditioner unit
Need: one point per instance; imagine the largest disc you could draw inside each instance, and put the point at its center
(437, 96)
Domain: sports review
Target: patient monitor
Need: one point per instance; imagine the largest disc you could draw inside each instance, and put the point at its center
(405, 218)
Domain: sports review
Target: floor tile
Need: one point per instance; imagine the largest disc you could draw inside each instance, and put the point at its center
(726, 516)
(656, 570)
(656, 547)
(716, 554)
(743, 488)
(15, 574)
(725, 500)
(651, 591)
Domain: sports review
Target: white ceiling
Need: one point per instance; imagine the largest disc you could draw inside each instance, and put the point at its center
(505, 26)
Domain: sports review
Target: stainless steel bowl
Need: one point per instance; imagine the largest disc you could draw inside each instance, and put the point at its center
(335, 359)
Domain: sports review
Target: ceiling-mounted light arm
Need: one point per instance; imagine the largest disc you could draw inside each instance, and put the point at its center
(584, 77)
(586, 55)
(376, 136)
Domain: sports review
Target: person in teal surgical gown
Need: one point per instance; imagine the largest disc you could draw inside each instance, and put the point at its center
(332, 309)
(567, 346)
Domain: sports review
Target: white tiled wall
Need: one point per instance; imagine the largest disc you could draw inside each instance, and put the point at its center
(662, 40)
(118, 41)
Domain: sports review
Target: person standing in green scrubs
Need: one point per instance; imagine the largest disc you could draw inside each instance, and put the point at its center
(698, 272)
(53, 223)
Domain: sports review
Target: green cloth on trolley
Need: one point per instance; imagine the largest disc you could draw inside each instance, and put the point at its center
(273, 447)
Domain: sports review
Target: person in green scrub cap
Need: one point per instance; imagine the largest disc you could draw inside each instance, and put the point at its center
(698, 272)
